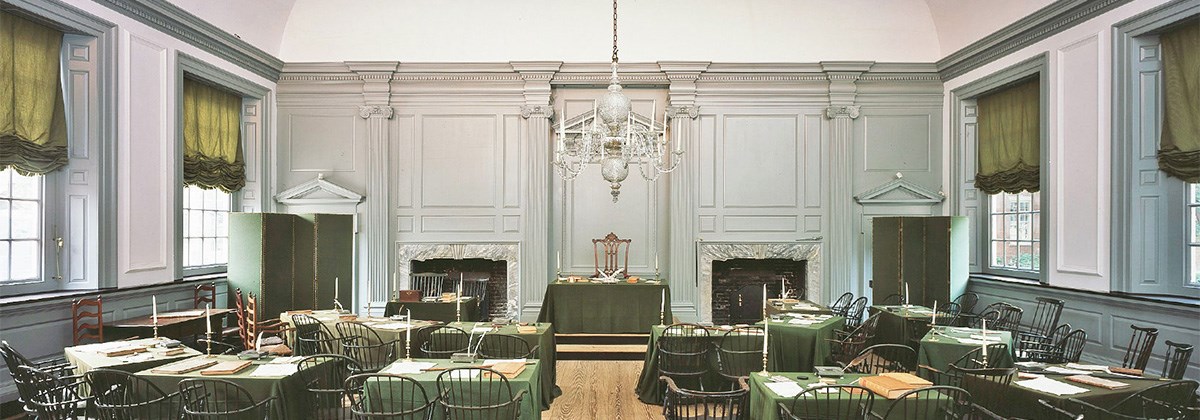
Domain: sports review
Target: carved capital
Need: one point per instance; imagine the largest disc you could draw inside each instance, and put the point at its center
(848, 111)
(544, 111)
(676, 111)
(369, 111)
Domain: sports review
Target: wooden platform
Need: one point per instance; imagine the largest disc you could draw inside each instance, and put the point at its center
(594, 389)
(601, 346)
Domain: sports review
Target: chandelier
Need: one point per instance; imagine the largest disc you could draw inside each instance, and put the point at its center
(614, 137)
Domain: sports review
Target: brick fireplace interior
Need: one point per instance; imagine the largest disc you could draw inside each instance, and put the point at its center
(737, 286)
(497, 290)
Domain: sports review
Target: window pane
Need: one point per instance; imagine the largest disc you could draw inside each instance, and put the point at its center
(1037, 256)
(25, 260)
(27, 187)
(4, 261)
(197, 196)
(1024, 256)
(1195, 225)
(4, 215)
(195, 251)
(210, 251)
(223, 200)
(997, 227)
(1010, 203)
(997, 253)
(210, 224)
(5, 186)
(1195, 194)
(222, 249)
(25, 220)
(1010, 226)
(210, 199)
(222, 224)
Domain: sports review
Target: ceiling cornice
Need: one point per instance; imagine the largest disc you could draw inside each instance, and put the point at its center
(174, 21)
(1039, 25)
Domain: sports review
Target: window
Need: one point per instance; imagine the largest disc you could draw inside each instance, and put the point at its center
(20, 228)
(1015, 222)
(205, 228)
(1193, 228)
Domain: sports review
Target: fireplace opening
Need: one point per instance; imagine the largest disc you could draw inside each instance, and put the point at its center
(494, 303)
(737, 286)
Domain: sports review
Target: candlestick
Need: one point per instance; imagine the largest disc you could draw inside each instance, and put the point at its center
(396, 285)
(207, 329)
(558, 264)
(154, 314)
(662, 308)
(905, 294)
(766, 331)
(408, 337)
(458, 297)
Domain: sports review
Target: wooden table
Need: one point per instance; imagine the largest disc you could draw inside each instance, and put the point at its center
(605, 308)
(943, 346)
(528, 380)
(776, 306)
(176, 327)
(291, 402)
(893, 322)
(1020, 401)
(764, 402)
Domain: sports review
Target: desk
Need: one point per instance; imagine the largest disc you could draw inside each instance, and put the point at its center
(893, 322)
(292, 402)
(87, 357)
(546, 354)
(941, 347)
(1023, 402)
(436, 311)
(790, 347)
(604, 308)
(528, 380)
(177, 327)
(389, 330)
(764, 402)
(776, 306)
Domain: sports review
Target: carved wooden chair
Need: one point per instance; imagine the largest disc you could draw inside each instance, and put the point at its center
(430, 284)
(204, 294)
(87, 320)
(610, 247)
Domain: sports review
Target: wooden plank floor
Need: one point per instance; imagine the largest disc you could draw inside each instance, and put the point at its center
(600, 389)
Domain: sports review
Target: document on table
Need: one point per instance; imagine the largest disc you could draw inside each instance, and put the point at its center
(465, 373)
(972, 341)
(988, 337)
(1051, 386)
(181, 314)
(1066, 371)
(394, 326)
(802, 321)
(492, 362)
(274, 369)
(1081, 366)
(409, 368)
(785, 389)
(285, 360)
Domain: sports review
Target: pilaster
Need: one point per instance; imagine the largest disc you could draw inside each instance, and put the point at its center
(842, 112)
(537, 113)
(683, 115)
(376, 260)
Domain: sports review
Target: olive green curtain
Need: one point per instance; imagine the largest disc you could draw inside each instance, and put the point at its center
(33, 124)
(1009, 136)
(1179, 148)
(212, 149)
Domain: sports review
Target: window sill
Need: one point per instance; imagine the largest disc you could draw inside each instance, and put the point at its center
(63, 294)
(1167, 300)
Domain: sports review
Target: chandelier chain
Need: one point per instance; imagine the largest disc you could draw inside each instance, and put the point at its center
(614, 57)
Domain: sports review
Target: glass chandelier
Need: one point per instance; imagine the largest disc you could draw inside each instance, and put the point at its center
(613, 137)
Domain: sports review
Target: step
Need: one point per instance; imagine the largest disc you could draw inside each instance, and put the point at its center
(601, 348)
(602, 339)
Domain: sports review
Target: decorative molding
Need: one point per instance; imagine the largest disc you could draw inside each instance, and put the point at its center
(303, 194)
(900, 191)
(545, 111)
(1039, 25)
(510, 253)
(690, 111)
(707, 252)
(368, 111)
(849, 111)
(763, 78)
(173, 20)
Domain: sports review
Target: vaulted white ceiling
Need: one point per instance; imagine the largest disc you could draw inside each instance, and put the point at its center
(580, 31)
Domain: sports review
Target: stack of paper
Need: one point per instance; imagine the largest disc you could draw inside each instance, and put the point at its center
(490, 362)
(1051, 386)
(785, 389)
(803, 321)
(465, 373)
(285, 360)
(394, 326)
(1081, 366)
(274, 369)
(409, 368)
(1065, 371)
(988, 337)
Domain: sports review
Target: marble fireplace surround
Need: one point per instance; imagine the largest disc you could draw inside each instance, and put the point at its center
(510, 253)
(722, 251)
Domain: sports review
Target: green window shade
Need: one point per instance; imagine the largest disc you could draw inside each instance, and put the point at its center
(1179, 145)
(212, 149)
(33, 124)
(1010, 139)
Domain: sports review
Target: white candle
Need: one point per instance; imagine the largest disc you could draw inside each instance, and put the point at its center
(335, 289)
(408, 331)
(934, 322)
(662, 307)
(207, 321)
(905, 293)
(395, 282)
(154, 308)
(764, 302)
(558, 262)
(655, 262)
(782, 288)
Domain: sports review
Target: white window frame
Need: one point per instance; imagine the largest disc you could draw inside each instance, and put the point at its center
(1150, 245)
(48, 278)
(200, 269)
(988, 241)
(252, 127)
(972, 202)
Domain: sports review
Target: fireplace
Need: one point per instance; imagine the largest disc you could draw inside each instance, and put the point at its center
(738, 284)
(473, 268)
(500, 260)
(807, 254)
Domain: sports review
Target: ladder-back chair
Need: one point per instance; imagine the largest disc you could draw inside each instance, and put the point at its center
(87, 315)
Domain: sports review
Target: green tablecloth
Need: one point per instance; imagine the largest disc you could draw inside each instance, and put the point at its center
(604, 308)
(86, 357)
(791, 347)
(436, 311)
(528, 380)
(940, 347)
(291, 402)
(1023, 402)
(546, 355)
(764, 402)
(388, 329)
(893, 328)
